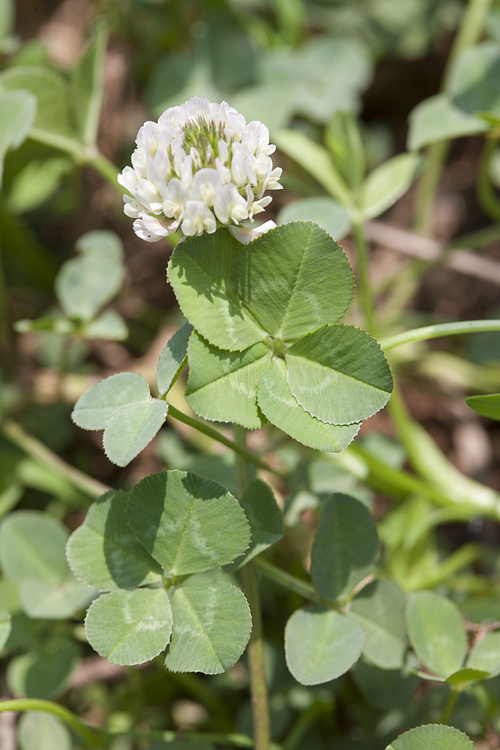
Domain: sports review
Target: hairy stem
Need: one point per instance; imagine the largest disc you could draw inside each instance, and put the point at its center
(258, 687)
(290, 582)
(235, 446)
(436, 331)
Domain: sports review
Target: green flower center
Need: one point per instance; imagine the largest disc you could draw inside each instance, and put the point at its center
(201, 134)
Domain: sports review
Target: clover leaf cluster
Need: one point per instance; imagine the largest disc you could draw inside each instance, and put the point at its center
(143, 551)
(267, 343)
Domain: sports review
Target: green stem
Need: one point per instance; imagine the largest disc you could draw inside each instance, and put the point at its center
(395, 483)
(86, 732)
(290, 582)
(105, 167)
(469, 32)
(83, 155)
(238, 448)
(90, 734)
(438, 330)
(258, 687)
(486, 193)
(363, 277)
(428, 184)
(449, 707)
(39, 451)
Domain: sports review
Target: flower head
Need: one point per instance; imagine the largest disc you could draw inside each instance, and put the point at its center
(198, 168)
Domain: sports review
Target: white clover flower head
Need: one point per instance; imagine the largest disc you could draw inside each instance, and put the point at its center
(198, 168)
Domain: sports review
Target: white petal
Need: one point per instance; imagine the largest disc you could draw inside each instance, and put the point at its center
(151, 229)
(175, 199)
(198, 219)
(247, 234)
(132, 208)
(229, 205)
(206, 183)
(128, 179)
(258, 206)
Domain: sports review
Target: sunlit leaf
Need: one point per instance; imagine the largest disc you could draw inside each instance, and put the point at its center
(294, 279)
(173, 358)
(178, 517)
(114, 395)
(283, 410)
(105, 553)
(130, 627)
(200, 271)
(211, 628)
(338, 374)
(222, 385)
(129, 432)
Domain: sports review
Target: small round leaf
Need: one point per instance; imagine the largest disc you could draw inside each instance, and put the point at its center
(339, 374)
(436, 632)
(344, 548)
(130, 627)
(178, 517)
(432, 737)
(321, 644)
(212, 625)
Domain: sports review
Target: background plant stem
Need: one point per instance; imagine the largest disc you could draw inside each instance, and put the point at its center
(33, 447)
(469, 32)
(486, 193)
(258, 687)
(100, 737)
(87, 733)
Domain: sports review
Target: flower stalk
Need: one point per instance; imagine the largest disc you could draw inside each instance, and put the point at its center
(258, 687)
